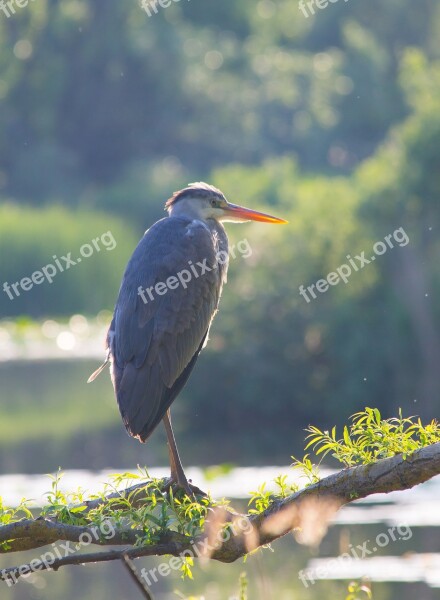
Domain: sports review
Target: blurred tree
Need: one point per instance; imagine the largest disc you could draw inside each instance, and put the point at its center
(31, 239)
(90, 92)
(401, 186)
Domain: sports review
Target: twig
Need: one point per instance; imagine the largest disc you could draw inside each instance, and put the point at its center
(128, 563)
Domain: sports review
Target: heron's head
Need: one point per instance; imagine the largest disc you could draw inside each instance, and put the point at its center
(203, 201)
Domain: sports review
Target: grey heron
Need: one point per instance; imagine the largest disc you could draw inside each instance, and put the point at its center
(168, 297)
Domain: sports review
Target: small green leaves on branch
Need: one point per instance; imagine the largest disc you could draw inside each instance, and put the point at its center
(370, 438)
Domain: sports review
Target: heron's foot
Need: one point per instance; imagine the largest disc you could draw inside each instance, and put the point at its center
(173, 483)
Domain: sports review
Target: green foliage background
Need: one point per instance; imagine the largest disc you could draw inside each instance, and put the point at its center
(332, 121)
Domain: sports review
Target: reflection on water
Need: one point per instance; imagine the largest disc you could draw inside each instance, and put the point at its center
(406, 568)
(51, 417)
(78, 337)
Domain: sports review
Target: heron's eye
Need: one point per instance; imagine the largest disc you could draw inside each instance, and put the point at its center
(215, 203)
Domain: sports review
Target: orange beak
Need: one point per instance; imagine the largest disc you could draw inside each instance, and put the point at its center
(246, 214)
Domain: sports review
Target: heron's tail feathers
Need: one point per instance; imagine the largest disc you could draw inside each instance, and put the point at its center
(98, 371)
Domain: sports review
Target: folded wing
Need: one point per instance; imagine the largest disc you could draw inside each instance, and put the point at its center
(156, 336)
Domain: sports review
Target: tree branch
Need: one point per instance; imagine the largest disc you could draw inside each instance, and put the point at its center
(334, 491)
(29, 534)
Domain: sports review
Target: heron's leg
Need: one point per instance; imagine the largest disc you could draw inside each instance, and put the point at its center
(177, 473)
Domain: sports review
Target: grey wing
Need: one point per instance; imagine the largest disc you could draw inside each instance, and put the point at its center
(154, 343)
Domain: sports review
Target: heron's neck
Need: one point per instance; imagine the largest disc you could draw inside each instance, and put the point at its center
(185, 210)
